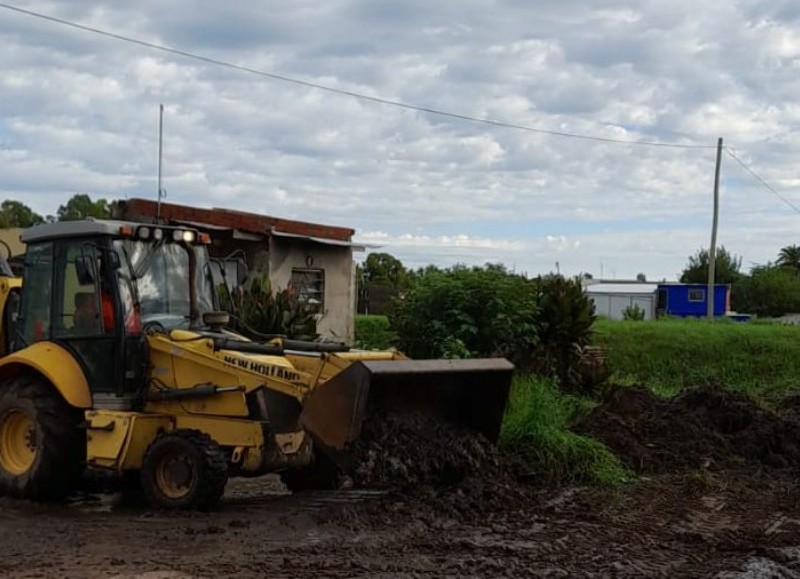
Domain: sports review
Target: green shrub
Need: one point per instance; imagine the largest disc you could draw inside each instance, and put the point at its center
(258, 312)
(373, 333)
(768, 291)
(542, 325)
(633, 313)
(461, 312)
(536, 430)
(564, 319)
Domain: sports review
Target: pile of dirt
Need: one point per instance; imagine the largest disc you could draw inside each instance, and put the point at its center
(417, 449)
(697, 428)
(427, 465)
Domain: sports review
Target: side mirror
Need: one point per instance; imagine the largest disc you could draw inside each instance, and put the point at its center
(84, 267)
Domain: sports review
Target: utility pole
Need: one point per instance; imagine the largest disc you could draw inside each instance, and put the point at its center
(712, 252)
(160, 149)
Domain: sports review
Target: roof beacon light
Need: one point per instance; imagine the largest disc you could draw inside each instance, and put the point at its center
(204, 238)
(126, 230)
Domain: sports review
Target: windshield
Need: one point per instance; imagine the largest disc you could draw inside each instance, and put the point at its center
(161, 282)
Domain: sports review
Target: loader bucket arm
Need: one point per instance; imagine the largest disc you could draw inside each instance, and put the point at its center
(467, 393)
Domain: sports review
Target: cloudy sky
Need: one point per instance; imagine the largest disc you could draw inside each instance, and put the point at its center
(79, 113)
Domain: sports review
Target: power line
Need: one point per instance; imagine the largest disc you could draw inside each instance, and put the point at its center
(758, 177)
(343, 92)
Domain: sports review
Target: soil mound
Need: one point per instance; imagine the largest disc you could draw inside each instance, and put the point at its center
(412, 449)
(699, 427)
(431, 466)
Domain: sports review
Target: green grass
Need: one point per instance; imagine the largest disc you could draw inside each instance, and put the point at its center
(762, 360)
(536, 429)
(373, 333)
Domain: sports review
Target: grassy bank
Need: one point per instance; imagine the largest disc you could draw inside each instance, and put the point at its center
(761, 359)
(536, 428)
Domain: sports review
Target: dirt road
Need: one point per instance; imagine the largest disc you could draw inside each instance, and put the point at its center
(718, 496)
(732, 524)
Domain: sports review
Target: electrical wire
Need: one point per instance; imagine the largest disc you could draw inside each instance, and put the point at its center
(761, 180)
(343, 92)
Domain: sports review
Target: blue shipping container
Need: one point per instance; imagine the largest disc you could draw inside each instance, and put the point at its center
(689, 299)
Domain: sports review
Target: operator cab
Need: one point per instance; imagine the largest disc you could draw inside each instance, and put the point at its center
(97, 287)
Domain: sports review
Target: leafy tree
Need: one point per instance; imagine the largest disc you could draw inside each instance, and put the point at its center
(381, 279)
(769, 291)
(81, 206)
(385, 268)
(726, 267)
(789, 258)
(17, 214)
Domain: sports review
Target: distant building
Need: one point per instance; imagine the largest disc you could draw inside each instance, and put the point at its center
(316, 260)
(611, 299)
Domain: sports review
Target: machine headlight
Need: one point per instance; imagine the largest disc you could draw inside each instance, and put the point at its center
(158, 234)
(144, 233)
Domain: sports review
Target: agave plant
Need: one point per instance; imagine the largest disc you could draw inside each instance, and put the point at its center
(257, 312)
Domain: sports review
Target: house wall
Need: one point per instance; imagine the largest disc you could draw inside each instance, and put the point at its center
(611, 306)
(678, 303)
(337, 319)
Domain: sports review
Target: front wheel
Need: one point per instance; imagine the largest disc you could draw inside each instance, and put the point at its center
(42, 448)
(184, 469)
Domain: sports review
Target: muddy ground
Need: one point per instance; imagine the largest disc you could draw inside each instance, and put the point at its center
(718, 496)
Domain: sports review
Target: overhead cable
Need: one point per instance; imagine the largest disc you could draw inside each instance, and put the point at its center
(344, 92)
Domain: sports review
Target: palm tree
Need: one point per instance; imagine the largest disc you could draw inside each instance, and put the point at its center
(789, 257)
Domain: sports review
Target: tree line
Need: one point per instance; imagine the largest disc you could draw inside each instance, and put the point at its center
(767, 290)
(80, 206)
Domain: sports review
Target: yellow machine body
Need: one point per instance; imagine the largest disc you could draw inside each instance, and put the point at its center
(199, 402)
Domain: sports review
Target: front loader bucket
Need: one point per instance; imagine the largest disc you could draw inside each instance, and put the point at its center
(469, 393)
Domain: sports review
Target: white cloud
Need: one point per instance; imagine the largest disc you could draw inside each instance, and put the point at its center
(79, 113)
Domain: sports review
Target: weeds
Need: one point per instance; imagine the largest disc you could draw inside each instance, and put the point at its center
(536, 430)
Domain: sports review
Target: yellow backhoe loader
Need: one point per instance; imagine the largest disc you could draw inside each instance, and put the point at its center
(120, 360)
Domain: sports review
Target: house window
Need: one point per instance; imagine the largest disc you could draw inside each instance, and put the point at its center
(309, 284)
(697, 295)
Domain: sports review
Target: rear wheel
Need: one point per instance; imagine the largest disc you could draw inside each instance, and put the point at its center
(42, 448)
(184, 469)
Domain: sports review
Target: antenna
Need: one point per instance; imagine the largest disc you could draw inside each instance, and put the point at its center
(161, 192)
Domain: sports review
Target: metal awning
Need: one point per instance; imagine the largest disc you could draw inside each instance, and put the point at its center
(236, 233)
(201, 225)
(355, 246)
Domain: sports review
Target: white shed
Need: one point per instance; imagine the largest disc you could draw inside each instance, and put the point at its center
(611, 299)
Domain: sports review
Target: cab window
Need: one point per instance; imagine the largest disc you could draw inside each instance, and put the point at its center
(37, 293)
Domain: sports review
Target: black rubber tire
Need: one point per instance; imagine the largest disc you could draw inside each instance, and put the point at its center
(207, 464)
(60, 441)
(321, 475)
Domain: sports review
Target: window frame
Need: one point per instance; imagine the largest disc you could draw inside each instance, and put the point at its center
(301, 287)
(696, 291)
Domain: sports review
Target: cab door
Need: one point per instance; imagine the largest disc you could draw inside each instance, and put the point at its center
(84, 318)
